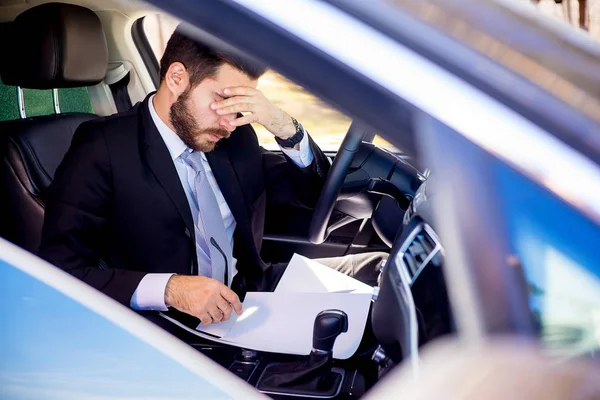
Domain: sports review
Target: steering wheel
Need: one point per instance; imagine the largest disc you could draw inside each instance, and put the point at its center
(318, 231)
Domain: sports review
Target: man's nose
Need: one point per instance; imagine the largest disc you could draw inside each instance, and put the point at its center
(225, 122)
(230, 117)
(227, 118)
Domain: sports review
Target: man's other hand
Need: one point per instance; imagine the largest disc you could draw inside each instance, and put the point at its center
(204, 298)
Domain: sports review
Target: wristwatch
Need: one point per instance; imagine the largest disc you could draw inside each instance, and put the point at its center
(294, 140)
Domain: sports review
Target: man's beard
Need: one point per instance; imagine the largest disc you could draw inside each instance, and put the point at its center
(188, 129)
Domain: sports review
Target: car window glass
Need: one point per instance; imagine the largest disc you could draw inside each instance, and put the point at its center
(326, 125)
(53, 347)
(560, 264)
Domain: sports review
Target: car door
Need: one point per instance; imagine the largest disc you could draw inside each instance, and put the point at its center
(61, 339)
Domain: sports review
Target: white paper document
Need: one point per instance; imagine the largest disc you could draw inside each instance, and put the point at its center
(304, 275)
(222, 328)
(282, 321)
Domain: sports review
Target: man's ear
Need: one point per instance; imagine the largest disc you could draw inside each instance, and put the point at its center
(177, 79)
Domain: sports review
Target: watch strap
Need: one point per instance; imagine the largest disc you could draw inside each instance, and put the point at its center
(294, 140)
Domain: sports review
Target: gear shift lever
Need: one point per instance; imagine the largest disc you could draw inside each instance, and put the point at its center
(312, 377)
(329, 324)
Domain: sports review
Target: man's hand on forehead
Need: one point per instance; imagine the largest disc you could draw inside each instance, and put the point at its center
(237, 99)
(258, 109)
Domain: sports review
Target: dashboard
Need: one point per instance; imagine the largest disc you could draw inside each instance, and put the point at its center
(412, 307)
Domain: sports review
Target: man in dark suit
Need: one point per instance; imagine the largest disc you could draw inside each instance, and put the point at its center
(164, 205)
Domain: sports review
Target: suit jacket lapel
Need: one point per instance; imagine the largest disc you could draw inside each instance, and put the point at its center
(160, 162)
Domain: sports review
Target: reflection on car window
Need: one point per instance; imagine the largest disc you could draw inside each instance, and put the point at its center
(326, 125)
(52, 347)
(561, 265)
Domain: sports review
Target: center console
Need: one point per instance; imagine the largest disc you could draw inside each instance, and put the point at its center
(284, 376)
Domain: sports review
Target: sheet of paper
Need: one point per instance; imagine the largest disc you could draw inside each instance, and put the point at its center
(283, 321)
(275, 322)
(219, 329)
(304, 275)
(194, 331)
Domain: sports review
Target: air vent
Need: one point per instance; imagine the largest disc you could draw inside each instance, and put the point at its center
(422, 247)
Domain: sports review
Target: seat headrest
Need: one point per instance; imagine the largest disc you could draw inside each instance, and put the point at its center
(55, 45)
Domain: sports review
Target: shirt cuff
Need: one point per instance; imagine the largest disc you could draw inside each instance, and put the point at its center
(150, 293)
(302, 157)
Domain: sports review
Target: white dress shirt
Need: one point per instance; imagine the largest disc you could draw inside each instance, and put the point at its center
(150, 293)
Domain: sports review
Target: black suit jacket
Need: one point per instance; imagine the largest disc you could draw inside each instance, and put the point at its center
(116, 208)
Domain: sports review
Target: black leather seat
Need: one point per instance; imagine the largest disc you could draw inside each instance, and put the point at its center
(53, 45)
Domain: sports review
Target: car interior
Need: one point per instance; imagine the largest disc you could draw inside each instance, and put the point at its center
(66, 63)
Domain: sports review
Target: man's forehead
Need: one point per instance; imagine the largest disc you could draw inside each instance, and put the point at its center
(228, 76)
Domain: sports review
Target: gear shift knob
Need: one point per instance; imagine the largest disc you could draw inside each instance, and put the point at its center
(329, 324)
(315, 376)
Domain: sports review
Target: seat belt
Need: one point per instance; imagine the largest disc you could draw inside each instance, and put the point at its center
(120, 93)
(117, 78)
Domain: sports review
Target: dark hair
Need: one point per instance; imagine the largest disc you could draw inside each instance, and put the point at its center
(200, 60)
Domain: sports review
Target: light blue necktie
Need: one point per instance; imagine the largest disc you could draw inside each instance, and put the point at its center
(208, 214)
